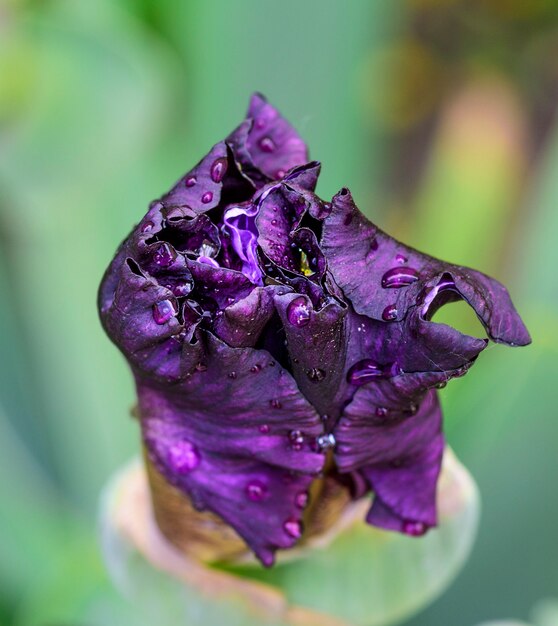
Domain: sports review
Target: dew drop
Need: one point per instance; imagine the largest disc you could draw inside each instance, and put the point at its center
(183, 457)
(298, 312)
(255, 368)
(266, 144)
(275, 404)
(232, 375)
(207, 197)
(399, 258)
(293, 528)
(256, 490)
(316, 374)
(296, 437)
(182, 288)
(191, 181)
(301, 499)
(147, 227)
(264, 429)
(398, 277)
(415, 529)
(363, 372)
(274, 222)
(164, 310)
(164, 255)
(381, 411)
(218, 170)
(326, 441)
(280, 174)
(441, 385)
(389, 313)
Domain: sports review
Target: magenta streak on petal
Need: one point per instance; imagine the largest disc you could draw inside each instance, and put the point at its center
(208, 261)
(445, 284)
(240, 222)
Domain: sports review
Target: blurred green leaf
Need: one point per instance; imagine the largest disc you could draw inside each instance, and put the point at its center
(364, 577)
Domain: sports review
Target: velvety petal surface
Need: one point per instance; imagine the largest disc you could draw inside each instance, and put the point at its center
(398, 277)
(400, 457)
(274, 145)
(237, 436)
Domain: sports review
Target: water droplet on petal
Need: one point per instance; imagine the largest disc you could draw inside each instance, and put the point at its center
(182, 288)
(298, 312)
(232, 375)
(266, 144)
(389, 313)
(255, 368)
(301, 499)
(364, 371)
(441, 385)
(381, 411)
(256, 490)
(296, 436)
(218, 169)
(415, 529)
(207, 197)
(164, 310)
(183, 457)
(326, 441)
(316, 374)
(280, 174)
(398, 277)
(164, 255)
(275, 404)
(293, 528)
(399, 258)
(264, 429)
(191, 181)
(274, 222)
(147, 227)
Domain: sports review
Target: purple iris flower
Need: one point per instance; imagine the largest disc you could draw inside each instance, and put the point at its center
(268, 330)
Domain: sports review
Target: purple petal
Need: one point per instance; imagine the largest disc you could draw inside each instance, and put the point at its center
(400, 458)
(243, 321)
(200, 189)
(316, 344)
(240, 225)
(141, 317)
(304, 176)
(231, 423)
(218, 287)
(274, 145)
(399, 276)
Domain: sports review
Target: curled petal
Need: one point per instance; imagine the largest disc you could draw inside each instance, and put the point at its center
(398, 275)
(400, 459)
(142, 317)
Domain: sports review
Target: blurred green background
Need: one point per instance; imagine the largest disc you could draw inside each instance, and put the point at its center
(440, 117)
